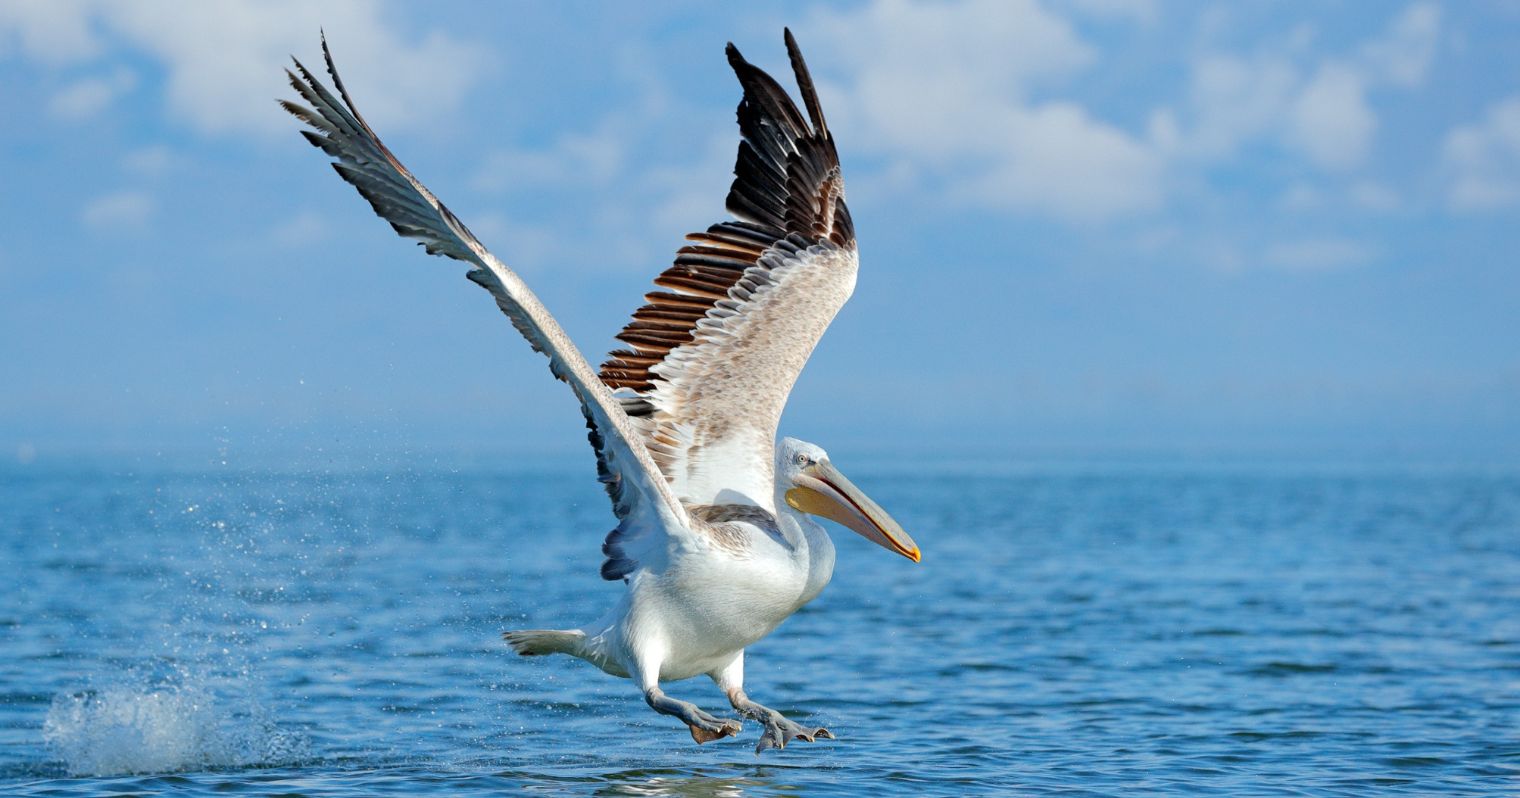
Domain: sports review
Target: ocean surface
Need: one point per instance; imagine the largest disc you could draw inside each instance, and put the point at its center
(1127, 629)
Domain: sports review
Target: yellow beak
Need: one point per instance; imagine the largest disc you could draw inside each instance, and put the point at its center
(821, 490)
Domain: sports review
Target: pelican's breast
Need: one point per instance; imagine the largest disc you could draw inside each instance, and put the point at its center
(716, 599)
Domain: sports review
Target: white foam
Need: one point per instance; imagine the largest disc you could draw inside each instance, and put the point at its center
(137, 726)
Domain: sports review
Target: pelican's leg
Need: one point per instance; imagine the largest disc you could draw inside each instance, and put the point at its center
(778, 730)
(704, 727)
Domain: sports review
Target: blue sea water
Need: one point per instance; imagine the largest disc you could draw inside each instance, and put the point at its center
(1074, 629)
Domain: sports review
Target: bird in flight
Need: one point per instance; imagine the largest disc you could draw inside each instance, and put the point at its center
(715, 542)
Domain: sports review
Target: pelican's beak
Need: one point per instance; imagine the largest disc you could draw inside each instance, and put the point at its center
(821, 490)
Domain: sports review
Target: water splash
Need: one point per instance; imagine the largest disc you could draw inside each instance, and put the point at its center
(152, 724)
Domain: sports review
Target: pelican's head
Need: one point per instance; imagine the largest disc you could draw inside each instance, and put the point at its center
(813, 485)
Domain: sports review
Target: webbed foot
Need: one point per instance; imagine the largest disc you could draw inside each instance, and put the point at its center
(713, 729)
(778, 730)
(704, 727)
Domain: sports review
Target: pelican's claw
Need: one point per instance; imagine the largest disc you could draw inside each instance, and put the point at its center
(779, 731)
(724, 728)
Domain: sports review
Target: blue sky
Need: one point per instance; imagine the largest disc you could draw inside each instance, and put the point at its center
(1092, 226)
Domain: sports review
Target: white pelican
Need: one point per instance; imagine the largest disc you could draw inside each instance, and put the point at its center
(714, 539)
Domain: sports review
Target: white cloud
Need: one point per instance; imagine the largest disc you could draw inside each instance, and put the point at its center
(1483, 159)
(595, 157)
(1142, 11)
(1316, 107)
(530, 249)
(50, 31)
(151, 161)
(633, 207)
(1301, 198)
(222, 59)
(1370, 195)
(1403, 55)
(1234, 99)
(1239, 251)
(1330, 120)
(950, 94)
(1364, 195)
(627, 200)
(1064, 162)
(1317, 254)
(306, 227)
(946, 88)
(86, 98)
(1005, 46)
(689, 196)
(118, 210)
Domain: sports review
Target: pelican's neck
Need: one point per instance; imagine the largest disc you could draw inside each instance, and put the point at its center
(795, 531)
(780, 484)
(811, 547)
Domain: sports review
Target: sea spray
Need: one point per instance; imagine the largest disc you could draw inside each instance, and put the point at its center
(181, 689)
(170, 720)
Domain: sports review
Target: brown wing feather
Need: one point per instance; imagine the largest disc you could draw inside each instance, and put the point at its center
(788, 200)
(787, 183)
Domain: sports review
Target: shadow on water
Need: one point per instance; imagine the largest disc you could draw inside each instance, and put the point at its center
(677, 784)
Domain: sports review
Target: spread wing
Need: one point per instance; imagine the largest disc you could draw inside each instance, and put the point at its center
(712, 357)
(641, 497)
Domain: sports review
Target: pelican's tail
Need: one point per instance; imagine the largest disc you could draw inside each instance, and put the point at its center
(536, 642)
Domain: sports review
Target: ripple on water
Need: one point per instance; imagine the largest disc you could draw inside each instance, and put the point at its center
(1089, 635)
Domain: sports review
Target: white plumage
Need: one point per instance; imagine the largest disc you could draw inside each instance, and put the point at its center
(715, 539)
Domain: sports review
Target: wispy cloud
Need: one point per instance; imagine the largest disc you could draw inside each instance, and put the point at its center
(1315, 104)
(1317, 254)
(1134, 191)
(1232, 99)
(87, 98)
(948, 87)
(628, 195)
(1371, 195)
(1143, 11)
(1483, 159)
(1403, 54)
(152, 161)
(220, 57)
(1330, 121)
(593, 157)
(951, 90)
(305, 228)
(119, 210)
(50, 31)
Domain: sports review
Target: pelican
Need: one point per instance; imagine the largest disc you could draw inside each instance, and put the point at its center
(715, 540)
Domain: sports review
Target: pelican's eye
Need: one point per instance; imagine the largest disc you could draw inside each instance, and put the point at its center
(802, 459)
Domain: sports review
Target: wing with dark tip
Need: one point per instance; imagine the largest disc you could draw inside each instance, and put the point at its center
(640, 495)
(712, 356)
